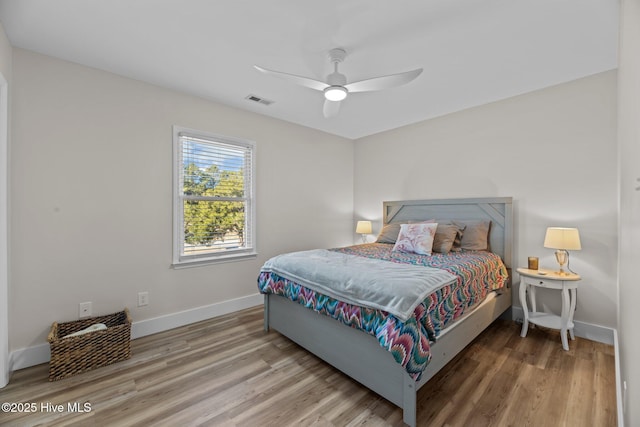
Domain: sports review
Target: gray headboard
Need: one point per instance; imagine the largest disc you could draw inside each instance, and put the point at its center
(497, 209)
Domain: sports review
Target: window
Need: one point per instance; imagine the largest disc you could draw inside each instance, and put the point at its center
(214, 205)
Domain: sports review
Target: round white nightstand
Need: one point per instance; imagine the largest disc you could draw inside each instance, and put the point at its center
(566, 283)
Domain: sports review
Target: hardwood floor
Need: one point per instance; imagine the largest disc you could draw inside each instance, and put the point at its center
(228, 371)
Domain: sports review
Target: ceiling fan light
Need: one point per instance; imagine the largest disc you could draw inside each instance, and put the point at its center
(335, 93)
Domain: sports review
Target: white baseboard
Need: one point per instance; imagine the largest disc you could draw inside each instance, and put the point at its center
(181, 318)
(30, 356)
(37, 354)
(585, 330)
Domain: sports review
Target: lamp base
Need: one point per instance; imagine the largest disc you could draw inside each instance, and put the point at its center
(562, 256)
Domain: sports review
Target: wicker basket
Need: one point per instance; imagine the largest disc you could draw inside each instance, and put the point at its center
(73, 355)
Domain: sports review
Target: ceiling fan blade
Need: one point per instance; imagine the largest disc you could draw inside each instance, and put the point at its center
(384, 82)
(330, 108)
(303, 81)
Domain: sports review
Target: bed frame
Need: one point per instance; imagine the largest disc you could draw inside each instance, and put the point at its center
(358, 354)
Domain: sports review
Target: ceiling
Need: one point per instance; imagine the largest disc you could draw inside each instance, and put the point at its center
(472, 51)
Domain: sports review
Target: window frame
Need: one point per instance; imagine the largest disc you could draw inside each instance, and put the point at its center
(180, 260)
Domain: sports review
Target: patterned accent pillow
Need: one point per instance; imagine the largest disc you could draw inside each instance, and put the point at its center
(448, 235)
(416, 238)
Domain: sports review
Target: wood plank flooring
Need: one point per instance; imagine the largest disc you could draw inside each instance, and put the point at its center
(227, 371)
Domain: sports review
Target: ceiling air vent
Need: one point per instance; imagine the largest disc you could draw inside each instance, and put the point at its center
(258, 100)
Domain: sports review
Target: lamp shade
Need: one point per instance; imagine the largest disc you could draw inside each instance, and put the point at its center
(363, 227)
(562, 238)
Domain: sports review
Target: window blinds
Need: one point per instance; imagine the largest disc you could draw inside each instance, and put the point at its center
(215, 188)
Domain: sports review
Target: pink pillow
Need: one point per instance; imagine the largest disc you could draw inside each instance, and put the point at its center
(416, 238)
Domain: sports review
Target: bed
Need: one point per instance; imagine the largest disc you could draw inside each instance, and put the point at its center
(361, 355)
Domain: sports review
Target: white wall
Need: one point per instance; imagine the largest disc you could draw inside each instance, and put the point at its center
(76, 131)
(553, 151)
(629, 138)
(91, 195)
(5, 54)
(5, 78)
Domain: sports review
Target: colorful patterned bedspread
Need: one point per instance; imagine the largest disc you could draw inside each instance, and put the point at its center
(478, 273)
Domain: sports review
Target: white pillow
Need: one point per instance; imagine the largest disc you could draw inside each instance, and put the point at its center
(416, 238)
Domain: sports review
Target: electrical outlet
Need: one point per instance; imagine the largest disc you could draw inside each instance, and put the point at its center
(84, 310)
(143, 299)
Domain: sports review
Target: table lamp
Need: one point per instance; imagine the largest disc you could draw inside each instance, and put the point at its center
(562, 239)
(363, 228)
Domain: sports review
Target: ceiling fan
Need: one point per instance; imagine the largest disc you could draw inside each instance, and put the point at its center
(336, 87)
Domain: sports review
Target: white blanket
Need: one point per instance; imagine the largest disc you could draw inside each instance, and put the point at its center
(383, 285)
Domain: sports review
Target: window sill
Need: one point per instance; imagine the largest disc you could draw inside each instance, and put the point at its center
(209, 261)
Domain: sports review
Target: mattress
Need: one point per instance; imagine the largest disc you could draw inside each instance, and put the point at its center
(478, 274)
